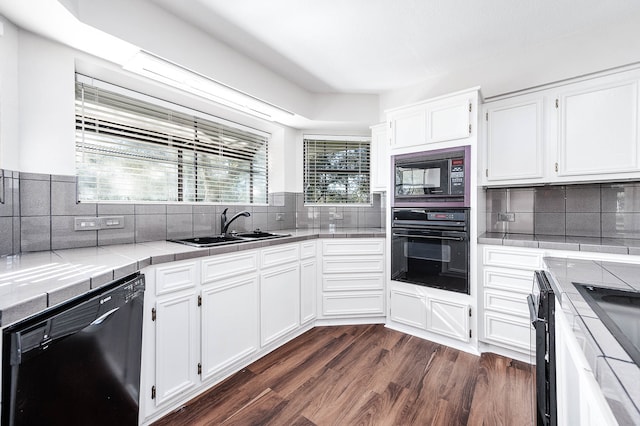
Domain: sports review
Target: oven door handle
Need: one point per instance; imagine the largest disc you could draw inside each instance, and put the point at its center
(429, 237)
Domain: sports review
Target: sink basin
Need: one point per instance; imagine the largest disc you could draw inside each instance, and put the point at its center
(260, 235)
(232, 239)
(209, 241)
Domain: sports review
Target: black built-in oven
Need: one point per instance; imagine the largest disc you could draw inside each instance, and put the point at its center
(430, 247)
(437, 178)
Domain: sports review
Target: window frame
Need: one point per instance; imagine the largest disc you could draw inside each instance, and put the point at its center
(178, 187)
(336, 138)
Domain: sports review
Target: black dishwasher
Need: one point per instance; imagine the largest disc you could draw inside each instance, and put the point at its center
(77, 363)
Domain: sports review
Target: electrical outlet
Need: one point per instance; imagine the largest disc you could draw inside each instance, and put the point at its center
(506, 217)
(97, 223)
(279, 217)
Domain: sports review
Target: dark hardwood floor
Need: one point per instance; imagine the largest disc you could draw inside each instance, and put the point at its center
(367, 375)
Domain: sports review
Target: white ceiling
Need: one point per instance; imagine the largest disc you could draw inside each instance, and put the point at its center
(373, 46)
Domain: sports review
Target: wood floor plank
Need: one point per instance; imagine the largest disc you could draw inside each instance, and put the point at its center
(367, 375)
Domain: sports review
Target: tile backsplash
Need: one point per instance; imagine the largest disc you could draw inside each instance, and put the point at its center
(607, 210)
(37, 213)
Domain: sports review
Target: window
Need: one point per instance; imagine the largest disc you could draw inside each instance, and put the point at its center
(336, 170)
(129, 148)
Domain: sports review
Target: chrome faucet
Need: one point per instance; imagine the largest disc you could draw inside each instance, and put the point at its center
(224, 223)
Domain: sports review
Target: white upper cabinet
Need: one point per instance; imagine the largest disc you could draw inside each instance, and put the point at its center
(443, 119)
(514, 140)
(582, 131)
(379, 158)
(449, 119)
(598, 129)
(408, 127)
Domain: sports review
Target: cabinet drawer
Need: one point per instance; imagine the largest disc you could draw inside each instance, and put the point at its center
(279, 255)
(507, 302)
(352, 246)
(352, 264)
(530, 259)
(514, 333)
(171, 278)
(353, 282)
(509, 279)
(307, 249)
(224, 266)
(370, 303)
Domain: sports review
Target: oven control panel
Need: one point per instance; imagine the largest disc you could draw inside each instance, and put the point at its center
(456, 176)
(455, 216)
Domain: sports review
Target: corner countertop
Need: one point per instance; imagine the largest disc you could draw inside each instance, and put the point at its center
(615, 372)
(32, 282)
(555, 242)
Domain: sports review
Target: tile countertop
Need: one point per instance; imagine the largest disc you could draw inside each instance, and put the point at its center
(615, 372)
(554, 242)
(32, 282)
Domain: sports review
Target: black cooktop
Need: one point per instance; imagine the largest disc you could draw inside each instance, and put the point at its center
(619, 311)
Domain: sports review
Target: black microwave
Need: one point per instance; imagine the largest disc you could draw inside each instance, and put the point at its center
(438, 178)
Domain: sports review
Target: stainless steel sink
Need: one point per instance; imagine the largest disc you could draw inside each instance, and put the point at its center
(231, 239)
(209, 241)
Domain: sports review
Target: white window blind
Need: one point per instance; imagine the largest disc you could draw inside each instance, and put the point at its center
(336, 171)
(128, 149)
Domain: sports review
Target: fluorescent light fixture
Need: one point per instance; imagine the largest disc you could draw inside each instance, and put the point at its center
(174, 75)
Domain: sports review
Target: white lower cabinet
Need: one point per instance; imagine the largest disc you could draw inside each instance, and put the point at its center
(308, 289)
(449, 318)
(507, 280)
(176, 350)
(279, 302)
(409, 309)
(426, 310)
(580, 400)
(229, 323)
(209, 317)
(353, 277)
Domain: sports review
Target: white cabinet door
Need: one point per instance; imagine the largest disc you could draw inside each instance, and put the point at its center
(580, 400)
(279, 302)
(409, 308)
(448, 318)
(308, 290)
(177, 343)
(229, 323)
(598, 128)
(448, 119)
(408, 127)
(514, 140)
(380, 165)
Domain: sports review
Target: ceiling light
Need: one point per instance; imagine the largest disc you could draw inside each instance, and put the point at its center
(159, 69)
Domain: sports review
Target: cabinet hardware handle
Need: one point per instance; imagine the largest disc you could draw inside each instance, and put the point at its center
(153, 392)
(557, 103)
(556, 167)
(153, 314)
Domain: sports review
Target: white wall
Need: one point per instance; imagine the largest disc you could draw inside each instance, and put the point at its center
(9, 148)
(46, 106)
